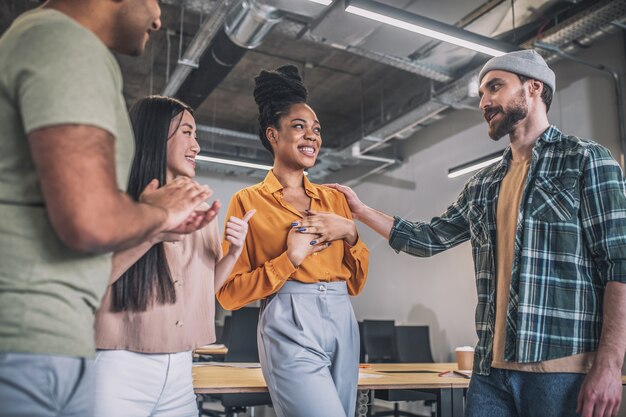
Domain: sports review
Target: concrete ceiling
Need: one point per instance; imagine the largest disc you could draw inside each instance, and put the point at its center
(362, 76)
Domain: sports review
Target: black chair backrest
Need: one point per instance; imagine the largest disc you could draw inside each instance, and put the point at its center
(413, 344)
(379, 340)
(241, 334)
(224, 334)
(361, 343)
(240, 330)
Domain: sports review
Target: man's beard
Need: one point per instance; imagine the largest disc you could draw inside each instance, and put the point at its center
(518, 111)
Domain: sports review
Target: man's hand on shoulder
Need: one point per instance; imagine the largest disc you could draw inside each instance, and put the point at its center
(355, 204)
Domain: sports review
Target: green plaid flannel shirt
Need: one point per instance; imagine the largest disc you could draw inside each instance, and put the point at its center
(570, 241)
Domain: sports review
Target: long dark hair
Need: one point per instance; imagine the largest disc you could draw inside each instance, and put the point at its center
(149, 279)
(274, 93)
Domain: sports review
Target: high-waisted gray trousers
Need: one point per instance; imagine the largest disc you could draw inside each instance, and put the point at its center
(309, 350)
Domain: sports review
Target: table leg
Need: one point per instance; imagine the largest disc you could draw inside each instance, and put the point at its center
(457, 402)
(362, 403)
(444, 403)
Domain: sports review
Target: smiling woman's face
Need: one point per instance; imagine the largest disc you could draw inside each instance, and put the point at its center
(182, 147)
(297, 142)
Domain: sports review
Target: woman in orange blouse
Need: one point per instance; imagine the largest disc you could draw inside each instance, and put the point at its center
(302, 257)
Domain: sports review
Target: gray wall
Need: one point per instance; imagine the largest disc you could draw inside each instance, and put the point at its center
(440, 291)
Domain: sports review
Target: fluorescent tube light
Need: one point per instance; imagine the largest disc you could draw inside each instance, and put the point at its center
(234, 163)
(428, 27)
(324, 2)
(475, 165)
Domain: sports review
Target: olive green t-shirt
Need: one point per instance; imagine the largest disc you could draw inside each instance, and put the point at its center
(53, 71)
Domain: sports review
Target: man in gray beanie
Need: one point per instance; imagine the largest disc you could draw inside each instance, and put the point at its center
(547, 226)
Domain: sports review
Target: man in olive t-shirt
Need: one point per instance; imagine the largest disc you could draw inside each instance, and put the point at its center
(66, 146)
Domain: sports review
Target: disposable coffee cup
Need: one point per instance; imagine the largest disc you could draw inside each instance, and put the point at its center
(465, 358)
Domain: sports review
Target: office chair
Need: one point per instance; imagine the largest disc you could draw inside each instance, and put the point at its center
(412, 344)
(239, 335)
(361, 343)
(379, 340)
(220, 332)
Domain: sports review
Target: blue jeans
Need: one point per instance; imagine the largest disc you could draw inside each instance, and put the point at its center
(45, 386)
(506, 393)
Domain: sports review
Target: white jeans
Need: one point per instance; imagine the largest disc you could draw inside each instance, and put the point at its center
(129, 384)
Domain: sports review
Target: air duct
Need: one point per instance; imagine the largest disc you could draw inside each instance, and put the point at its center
(248, 25)
(245, 27)
(214, 65)
(199, 44)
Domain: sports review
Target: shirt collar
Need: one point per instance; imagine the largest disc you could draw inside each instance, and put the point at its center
(551, 134)
(273, 185)
(271, 182)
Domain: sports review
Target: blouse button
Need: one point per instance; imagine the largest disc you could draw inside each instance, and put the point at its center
(179, 323)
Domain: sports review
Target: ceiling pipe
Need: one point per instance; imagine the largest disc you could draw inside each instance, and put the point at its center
(249, 24)
(218, 48)
(219, 45)
(358, 154)
(197, 47)
(214, 65)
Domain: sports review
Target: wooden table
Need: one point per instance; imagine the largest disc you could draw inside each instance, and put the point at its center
(211, 350)
(212, 379)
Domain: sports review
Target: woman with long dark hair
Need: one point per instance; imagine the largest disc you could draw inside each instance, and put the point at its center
(303, 258)
(160, 304)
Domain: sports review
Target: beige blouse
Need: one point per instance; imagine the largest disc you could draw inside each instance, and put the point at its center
(170, 328)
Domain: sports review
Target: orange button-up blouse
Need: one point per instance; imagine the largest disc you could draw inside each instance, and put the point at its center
(264, 267)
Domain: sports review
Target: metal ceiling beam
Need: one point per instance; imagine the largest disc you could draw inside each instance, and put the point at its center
(417, 67)
(229, 137)
(596, 17)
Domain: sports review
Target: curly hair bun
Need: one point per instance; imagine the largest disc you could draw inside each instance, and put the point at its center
(283, 84)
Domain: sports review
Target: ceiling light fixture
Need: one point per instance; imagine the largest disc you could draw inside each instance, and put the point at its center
(428, 27)
(324, 2)
(234, 163)
(475, 164)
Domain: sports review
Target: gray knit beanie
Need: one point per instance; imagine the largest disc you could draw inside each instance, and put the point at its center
(526, 62)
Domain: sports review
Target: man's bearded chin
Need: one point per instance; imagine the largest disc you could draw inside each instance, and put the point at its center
(512, 116)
